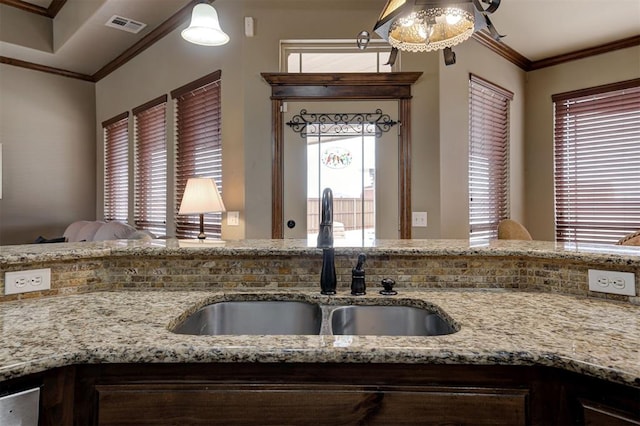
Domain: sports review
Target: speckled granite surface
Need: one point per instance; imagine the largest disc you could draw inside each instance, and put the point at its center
(595, 337)
(611, 254)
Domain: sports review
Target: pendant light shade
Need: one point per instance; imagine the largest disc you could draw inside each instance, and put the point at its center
(205, 27)
(426, 25)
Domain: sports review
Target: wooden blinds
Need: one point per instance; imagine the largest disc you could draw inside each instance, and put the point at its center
(151, 166)
(198, 148)
(597, 163)
(116, 168)
(488, 157)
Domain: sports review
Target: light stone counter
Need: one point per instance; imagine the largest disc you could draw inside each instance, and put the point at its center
(610, 254)
(497, 327)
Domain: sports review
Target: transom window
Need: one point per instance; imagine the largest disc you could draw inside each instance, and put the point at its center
(334, 56)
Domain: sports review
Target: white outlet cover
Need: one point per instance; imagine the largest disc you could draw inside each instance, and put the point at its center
(612, 282)
(27, 281)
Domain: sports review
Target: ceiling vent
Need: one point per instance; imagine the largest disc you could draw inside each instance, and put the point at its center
(125, 24)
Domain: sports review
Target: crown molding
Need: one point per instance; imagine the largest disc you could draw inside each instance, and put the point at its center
(49, 12)
(585, 53)
(484, 38)
(44, 68)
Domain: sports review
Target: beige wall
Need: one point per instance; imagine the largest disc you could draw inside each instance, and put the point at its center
(594, 71)
(49, 155)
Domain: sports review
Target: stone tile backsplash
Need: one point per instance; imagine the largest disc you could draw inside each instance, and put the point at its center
(206, 271)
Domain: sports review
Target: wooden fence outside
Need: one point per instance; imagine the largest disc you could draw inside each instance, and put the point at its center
(345, 210)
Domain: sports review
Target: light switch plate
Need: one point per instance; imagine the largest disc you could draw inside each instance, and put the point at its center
(419, 219)
(233, 218)
(612, 282)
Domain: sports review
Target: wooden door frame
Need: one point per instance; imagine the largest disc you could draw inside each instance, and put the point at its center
(340, 86)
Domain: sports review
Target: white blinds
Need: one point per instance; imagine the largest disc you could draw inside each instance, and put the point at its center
(597, 163)
(488, 157)
(198, 148)
(151, 166)
(116, 168)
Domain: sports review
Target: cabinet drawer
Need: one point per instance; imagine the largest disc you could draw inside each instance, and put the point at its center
(301, 404)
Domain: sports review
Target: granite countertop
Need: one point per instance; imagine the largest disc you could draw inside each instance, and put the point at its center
(600, 253)
(594, 337)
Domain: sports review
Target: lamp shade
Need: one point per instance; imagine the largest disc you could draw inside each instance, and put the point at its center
(201, 195)
(419, 26)
(204, 28)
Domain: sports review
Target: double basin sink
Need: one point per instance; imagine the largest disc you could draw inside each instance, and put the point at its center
(306, 318)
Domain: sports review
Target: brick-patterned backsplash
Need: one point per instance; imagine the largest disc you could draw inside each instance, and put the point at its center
(198, 271)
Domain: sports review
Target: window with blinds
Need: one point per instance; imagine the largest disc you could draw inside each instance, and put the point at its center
(597, 163)
(198, 148)
(150, 211)
(488, 157)
(116, 168)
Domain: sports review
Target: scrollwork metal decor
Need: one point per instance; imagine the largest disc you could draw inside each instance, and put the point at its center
(370, 123)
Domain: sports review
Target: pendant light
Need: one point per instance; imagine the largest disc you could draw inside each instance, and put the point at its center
(205, 28)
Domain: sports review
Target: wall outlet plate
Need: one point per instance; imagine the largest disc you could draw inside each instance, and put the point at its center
(27, 281)
(612, 282)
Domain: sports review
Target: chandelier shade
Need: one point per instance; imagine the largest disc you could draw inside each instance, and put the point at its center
(427, 25)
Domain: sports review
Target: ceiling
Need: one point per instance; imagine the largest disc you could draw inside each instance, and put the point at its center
(536, 29)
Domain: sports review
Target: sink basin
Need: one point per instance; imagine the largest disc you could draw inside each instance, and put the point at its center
(254, 318)
(388, 321)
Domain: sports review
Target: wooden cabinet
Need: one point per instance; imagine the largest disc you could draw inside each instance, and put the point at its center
(290, 393)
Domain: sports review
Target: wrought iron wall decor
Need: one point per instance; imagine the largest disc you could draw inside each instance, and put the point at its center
(309, 123)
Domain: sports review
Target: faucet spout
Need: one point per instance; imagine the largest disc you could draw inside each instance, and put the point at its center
(325, 235)
(328, 279)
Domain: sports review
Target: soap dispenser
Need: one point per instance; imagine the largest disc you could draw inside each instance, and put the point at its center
(358, 286)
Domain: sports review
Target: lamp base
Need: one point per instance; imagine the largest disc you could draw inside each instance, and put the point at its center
(202, 235)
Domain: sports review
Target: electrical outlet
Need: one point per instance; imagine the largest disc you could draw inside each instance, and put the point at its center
(26, 281)
(419, 219)
(612, 282)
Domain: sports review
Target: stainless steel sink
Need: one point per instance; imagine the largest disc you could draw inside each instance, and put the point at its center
(388, 321)
(254, 318)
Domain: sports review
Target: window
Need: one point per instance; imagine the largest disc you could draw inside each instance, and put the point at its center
(488, 157)
(334, 56)
(116, 168)
(597, 163)
(151, 166)
(198, 147)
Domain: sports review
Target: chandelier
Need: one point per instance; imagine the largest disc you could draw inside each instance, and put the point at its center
(427, 25)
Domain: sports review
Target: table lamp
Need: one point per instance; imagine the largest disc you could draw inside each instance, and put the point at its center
(201, 196)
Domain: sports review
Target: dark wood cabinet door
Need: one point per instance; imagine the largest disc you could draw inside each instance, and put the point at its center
(597, 414)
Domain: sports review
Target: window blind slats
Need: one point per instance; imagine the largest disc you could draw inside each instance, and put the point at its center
(199, 150)
(597, 164)
(116, 170)
(151, 167)
(488, 157)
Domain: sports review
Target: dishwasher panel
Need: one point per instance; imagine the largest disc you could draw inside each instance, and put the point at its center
(20, 409)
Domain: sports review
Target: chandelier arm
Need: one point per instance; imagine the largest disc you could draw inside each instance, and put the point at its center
(393, 55)
(492, 30)
(493, 6)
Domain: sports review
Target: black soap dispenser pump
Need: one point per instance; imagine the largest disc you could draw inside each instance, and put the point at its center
(358, 286)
